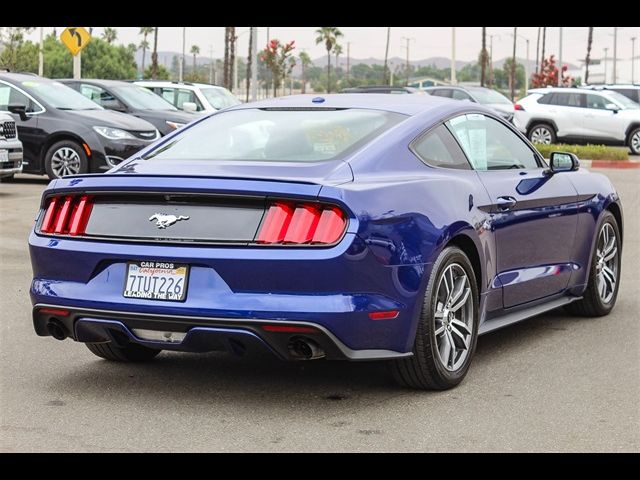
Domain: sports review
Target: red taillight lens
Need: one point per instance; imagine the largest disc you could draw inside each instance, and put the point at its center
(517, 106)
(302, 224)
(66, 215)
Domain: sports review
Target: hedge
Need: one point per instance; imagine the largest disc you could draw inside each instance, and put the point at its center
(586, 152)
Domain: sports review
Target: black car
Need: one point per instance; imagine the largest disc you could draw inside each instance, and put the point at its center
(134, 99)
(65, 133)
(380, 89)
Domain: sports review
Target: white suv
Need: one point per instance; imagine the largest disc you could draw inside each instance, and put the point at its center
(192, 97)
(10, 147)
(579, 116)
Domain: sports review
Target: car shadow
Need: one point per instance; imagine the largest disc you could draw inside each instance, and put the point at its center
(221, 377)
(23, 178)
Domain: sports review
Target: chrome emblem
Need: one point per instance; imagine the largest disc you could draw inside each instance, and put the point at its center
(164, 221)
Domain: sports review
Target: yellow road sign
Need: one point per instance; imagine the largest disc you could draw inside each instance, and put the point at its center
(75, 38)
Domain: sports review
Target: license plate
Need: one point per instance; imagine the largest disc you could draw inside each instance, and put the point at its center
(152, 280)
(4, 155)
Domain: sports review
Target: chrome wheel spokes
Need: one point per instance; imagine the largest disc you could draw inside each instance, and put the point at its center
(541, 135)
(635, 142)
(453, 317)
(65, 161)
(606, 263)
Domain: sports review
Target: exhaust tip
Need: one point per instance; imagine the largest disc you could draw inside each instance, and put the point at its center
(303, 348)
(56, 329)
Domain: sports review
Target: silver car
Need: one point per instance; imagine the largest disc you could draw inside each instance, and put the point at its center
(10, 147)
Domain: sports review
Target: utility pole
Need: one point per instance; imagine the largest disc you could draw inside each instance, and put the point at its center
(526, 71)
(615, 54)
(453, 56)
(184, 38)
(491, 58)
(211, 64)
(348, 60)
(605, 64)
(407, 65)
(41, 54)
(560, 60)
(633, 59)
(254, 70)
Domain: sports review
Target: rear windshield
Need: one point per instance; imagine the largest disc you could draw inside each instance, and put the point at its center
(278, 135)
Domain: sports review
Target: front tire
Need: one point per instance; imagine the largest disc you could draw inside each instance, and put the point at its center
(447, 328)
(604, 273)
(65, 158)
(634, 141)
(542, 133)
(132, 352)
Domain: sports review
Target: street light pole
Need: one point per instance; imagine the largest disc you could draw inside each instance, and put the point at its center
(560, 60)
(211, 64)
(41, 54)
(605, 64)
(235, 63)
(254, 70)
(453, 56)
(348, 60)
(633, 59)
(406, 68)
(615, 54)
(184, 37)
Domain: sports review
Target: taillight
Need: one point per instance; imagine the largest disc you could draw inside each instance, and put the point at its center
(67, 215)
(517, 106)
(306, 223)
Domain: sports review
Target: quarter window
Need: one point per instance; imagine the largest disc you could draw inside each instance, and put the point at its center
(596, 101)
(489, 145)
(442, 92)
(460, 95)
(439, 149)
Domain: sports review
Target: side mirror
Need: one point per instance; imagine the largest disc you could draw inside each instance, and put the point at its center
(563, 162)
(613, 107)
(20, 110)
(114, 105)
(189, 107)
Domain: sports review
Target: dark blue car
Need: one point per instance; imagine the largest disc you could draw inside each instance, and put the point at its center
(348, 227)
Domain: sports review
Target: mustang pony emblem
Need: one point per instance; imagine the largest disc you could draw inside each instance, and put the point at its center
(164, 221)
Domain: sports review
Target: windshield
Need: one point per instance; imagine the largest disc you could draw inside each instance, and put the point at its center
(278, 135)
(59, 95)
(487, 96)
(142, 98)
(622, 100)
(219, 97)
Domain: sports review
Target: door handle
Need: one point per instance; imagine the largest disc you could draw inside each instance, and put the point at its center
(506, 203)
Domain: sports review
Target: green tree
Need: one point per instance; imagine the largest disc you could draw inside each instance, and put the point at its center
(329, 36)
(109, 34)
(587, 60)
(161, 73)
(305, 63)
(483, 59)
(154, 55)
(195, 50)
(12, 38)
(337, 51)
(144, 45)
(277, 56)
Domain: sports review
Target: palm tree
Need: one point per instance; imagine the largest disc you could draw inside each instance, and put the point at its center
(588, 59)
(305, 61)
(144, 31)
(109, 34)
(544, 39)
(385, 78)
(154, 55)
(337, 50)
(538, 48)
(195, 50)
(249, 62)
(483, 57)
(328, 35)
(512, 73)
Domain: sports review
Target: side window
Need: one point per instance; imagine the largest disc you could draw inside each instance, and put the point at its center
(489, 145)
(188, 96)
(9, 95)
(442, 92)
(99, 95)
(596, 101)
(460, 95)
(169, 94)
(439, 149)
(575, 100)
(561, 99)
(630, 93)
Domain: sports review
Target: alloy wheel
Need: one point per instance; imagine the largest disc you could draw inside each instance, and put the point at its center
(606, 263)
(541, 135)
(65, 161)
(453, 317)
(635, 142)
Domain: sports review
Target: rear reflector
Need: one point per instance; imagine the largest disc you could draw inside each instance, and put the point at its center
(286, 223)
(288, 329)
(517, 106)
(54, 311)
(66, 215)
(385, 315)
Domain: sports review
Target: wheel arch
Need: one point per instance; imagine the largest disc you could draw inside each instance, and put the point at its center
(535, 121)
(615, 209)
(630, 129)
(57, 137)
(465, 243)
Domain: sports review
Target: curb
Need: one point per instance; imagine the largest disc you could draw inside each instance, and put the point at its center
(610, 163)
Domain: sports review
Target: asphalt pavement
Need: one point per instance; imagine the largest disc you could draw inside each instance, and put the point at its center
(552, 383)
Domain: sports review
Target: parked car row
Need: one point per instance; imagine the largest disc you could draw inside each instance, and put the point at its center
(69, 126)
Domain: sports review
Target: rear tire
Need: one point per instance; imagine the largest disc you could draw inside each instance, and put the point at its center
(130, 353)
(592, 304)
(65, 158)
(427, 369)
(634, 141)
(542, 133)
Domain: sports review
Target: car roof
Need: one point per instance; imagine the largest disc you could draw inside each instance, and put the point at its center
(176, 84)
(97, 81)
(563, 89)
(22, 77)
(404, 104)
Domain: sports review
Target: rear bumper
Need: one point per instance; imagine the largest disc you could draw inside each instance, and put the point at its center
(203, 334)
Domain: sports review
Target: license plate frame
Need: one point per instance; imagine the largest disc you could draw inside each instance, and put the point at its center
(159, 270)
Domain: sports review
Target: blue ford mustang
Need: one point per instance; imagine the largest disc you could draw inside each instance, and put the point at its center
(357, 227)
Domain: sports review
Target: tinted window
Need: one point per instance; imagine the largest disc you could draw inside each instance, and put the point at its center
(188, 96)
(489, 145)
(566, 99)
(9, 95)
(57, 95)
(169, 94)
(97, 94)
(441, 92)
(219, 97)
(630, 93)
(277, 135)
(596, 101)
(546, 99)
(460, 95)
(141, 98)
(438, 148)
